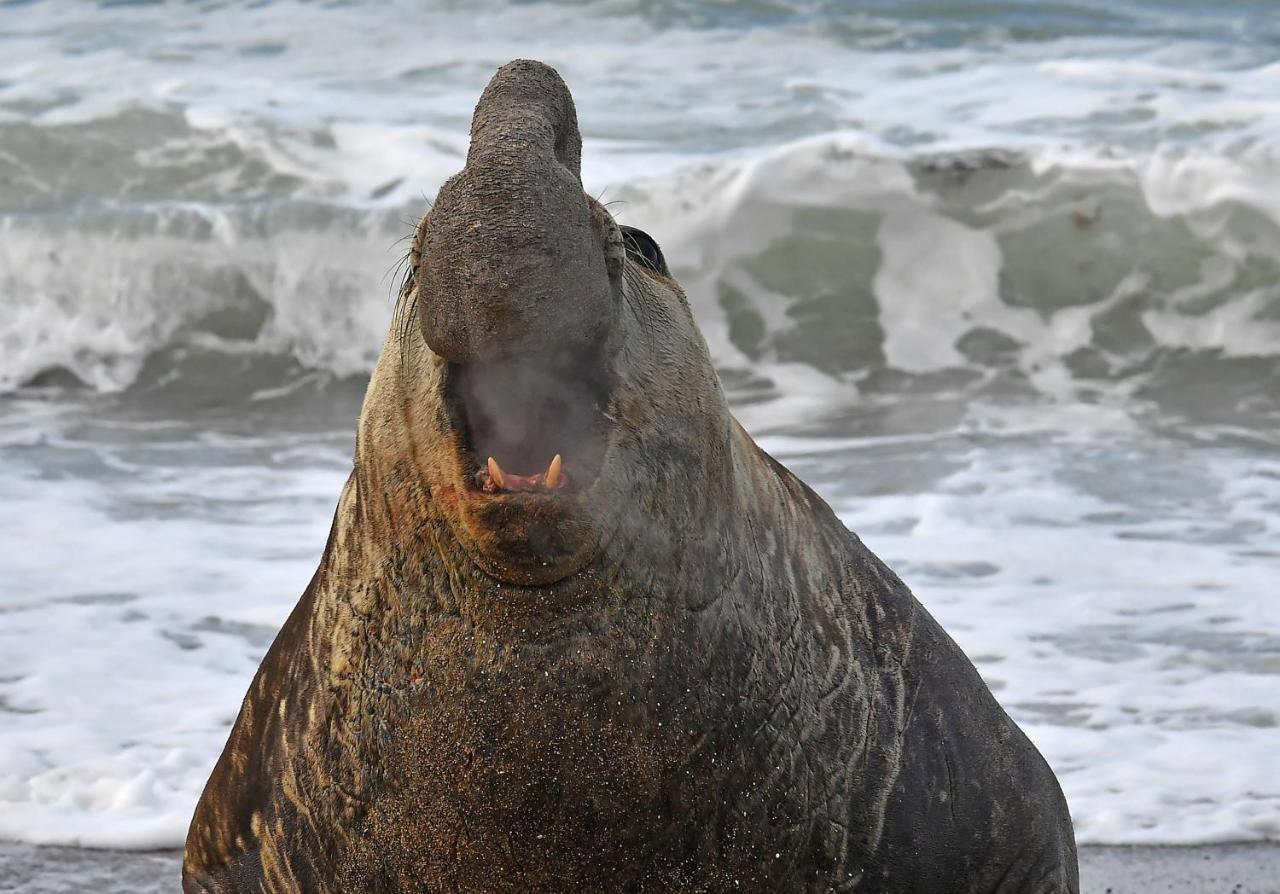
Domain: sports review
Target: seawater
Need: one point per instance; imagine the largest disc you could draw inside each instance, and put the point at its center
(1000, 280)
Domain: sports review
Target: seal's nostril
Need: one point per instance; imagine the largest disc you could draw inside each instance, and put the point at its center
(526, 88)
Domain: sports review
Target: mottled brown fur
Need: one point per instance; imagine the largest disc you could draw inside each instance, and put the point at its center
(707, 684)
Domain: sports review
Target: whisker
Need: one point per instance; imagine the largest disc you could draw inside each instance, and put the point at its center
(393, 272)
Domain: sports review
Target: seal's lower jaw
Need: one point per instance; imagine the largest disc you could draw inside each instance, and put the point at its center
(532, 544)
(532, 436)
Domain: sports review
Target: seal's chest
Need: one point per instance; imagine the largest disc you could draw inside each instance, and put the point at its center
(485, 775)
(519, 780)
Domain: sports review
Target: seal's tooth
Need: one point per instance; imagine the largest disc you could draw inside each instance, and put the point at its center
(495, 474)
(552, 478)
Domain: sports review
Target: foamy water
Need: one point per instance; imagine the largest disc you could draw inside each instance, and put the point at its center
(1002, 284)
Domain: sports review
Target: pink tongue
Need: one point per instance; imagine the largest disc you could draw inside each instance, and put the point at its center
(513, 483)
(522, 482)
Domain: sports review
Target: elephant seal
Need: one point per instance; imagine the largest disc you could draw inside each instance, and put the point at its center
(573, 631)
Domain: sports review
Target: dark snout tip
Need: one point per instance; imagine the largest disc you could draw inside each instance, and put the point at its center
(523, 69)
(525, 87)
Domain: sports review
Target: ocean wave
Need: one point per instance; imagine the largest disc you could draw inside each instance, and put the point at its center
(1065, 273)
(97, 294)
(1059, 273)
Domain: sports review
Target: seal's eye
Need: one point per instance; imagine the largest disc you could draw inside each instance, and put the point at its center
(643, 250)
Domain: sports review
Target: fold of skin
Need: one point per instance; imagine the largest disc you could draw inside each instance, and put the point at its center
(680, 675)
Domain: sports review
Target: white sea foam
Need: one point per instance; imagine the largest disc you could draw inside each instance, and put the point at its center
(133, 616)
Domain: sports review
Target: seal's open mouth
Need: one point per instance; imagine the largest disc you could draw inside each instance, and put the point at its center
(535, 425)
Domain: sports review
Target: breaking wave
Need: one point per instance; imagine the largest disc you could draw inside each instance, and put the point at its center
(815, 262)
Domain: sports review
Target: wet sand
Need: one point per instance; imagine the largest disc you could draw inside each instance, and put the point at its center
(1211, 869)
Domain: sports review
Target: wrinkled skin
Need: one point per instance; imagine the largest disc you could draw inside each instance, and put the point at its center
(677, 673)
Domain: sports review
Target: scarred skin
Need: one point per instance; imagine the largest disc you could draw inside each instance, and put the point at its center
(681, 673)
